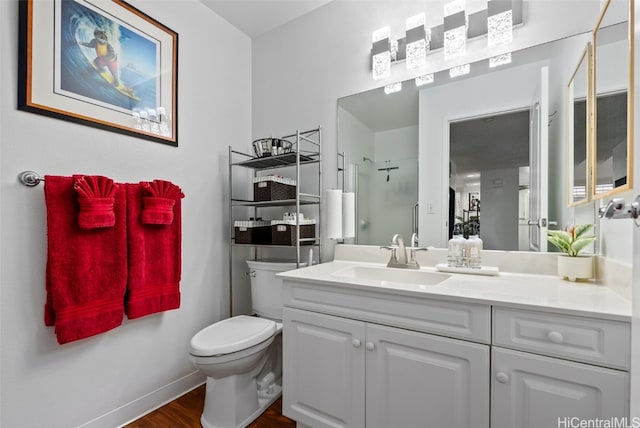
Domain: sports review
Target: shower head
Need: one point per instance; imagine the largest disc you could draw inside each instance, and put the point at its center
(366, 159)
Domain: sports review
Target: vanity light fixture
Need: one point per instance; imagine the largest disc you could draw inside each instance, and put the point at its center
(499, 22)
(455, 29)
(392, 88)
(460, 70)
(423, 80)
(381, 53)
(499, 60)
(418, 41)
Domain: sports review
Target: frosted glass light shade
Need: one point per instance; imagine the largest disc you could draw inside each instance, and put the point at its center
(500, 28)
(424, 80)
(499, 22)
(460, 70)
(455, 29)
(393, 87)
(381, 54)
(416, 54)
(418, 41)
(381, 65)
(499, 60)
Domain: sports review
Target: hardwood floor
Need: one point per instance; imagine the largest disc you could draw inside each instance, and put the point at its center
(185, 411)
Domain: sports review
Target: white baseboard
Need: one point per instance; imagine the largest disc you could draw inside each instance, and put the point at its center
(147, 403)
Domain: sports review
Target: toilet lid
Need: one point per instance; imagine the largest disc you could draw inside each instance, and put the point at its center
(231, 335)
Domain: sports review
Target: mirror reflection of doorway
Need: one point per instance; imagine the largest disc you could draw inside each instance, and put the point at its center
(489, 178)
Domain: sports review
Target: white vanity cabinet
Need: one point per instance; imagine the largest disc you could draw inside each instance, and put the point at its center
(363, 356)
(549, 383)
(533, 391)
(340, 372)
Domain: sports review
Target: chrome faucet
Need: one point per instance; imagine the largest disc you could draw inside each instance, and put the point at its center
(399, 241)
(616, 208)
(400, 260)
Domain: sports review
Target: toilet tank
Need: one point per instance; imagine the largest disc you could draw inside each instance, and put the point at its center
(266, 288)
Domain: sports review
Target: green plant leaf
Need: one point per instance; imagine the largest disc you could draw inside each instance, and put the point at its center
(581, 243)
(560, 244)
(561, 235)
(581, 229)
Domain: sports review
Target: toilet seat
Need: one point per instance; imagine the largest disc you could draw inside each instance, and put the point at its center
(231, 335)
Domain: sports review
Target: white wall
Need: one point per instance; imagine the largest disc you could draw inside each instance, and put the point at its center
(143, 362)
(394, 144)
(301, 69)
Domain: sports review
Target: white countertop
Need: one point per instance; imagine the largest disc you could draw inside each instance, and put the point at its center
(517, 290)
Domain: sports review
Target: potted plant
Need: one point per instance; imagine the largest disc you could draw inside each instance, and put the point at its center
(572, 265)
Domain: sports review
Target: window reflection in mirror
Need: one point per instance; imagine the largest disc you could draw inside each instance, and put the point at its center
(579, 134)
(612, 67)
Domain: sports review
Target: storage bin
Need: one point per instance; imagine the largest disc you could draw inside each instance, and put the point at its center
(273, 188)
(252, 232)
(283, 232)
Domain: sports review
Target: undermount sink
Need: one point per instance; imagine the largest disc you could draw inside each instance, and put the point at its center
(386, 275)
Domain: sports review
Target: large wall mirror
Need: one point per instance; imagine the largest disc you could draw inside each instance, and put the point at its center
(579, 132)
(487, 147)
(613, 109)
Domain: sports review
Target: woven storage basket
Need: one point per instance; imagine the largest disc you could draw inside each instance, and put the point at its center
(252, 232)
(284, 232)
(273, 189)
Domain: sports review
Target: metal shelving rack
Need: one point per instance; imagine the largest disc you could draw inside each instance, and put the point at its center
(307, 150)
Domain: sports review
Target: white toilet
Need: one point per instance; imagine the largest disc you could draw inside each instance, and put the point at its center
(242, 355)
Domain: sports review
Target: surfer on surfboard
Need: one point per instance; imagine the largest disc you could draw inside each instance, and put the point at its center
(105, 54)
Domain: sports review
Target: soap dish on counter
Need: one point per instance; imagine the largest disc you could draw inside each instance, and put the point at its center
(484, 270)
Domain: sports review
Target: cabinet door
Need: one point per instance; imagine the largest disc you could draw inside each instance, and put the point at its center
(323, 369)
(532, 391)
(420, 380)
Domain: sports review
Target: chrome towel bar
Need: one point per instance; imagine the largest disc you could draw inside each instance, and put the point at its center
(30, 178)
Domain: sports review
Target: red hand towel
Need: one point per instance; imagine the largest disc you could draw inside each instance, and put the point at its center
(86, 273)
(154, 259)
(158, 199)
(95, 199)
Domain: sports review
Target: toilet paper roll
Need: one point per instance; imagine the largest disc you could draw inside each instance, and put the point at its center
(334, 213)
(348, 215)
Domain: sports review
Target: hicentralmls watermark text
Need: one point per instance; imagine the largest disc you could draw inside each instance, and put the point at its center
(575, 422)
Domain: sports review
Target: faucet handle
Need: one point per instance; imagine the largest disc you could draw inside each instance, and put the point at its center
(393, 260)
(414, 240)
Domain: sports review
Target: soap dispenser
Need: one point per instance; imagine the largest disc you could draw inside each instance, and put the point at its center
(456, 247)
(473, 248)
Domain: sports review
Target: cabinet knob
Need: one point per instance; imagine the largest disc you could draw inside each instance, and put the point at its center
(555, 337)
(356, 343)
(502, 377)
(371, 346)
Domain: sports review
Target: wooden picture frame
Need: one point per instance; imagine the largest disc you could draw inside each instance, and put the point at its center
(101, 63)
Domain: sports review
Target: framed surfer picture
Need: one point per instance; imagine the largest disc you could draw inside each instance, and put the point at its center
(101, 63)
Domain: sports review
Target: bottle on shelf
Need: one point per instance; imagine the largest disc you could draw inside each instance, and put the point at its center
(456, 247)
(473, 248)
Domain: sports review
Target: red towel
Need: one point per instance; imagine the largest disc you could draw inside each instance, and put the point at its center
(95, 199)
(86, 273)
(154, 258)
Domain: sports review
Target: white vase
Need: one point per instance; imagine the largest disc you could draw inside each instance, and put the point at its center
(572, 268)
